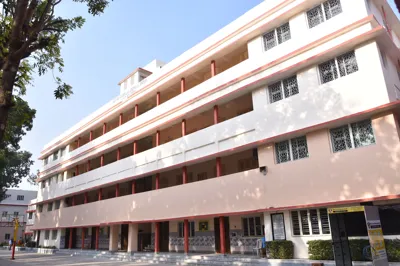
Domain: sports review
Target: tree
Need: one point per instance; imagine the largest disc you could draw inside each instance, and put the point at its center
(14, 163)
(30, 38)
(397, 2)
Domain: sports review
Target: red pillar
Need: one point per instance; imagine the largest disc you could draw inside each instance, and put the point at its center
(121, 118)
(183, 85)
(70, 238)
(91, 135)
(88, 166)
(184, 175)
(133, 186)
(158, 138)
(157, 238)
(86, 196)
(117, 190)
(222, 234)
(157, 181)
(83, 239)
(118, 154)
(97, 237)
(136, 112)
(158, 98)
(183, 127)
(77, 170)
(134, 147)
(219, 166)
(73, 201)
(215, 114)
(100, 196)
(213, 68)
(102, 160)
(104, 128)
(79, 142)
(186, 235)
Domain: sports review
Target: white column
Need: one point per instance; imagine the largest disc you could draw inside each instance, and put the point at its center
(268, 226)
(114, 230)
(65, 177)
(133, 238)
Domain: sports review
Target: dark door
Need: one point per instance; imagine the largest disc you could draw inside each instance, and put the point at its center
(93, 238)
(164, 236)
(218, 238)
(124, 236)
(38, 239)
(73, 237)
(340, 241)
(66, 241)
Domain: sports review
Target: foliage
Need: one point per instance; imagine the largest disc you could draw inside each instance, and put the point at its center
(280, 249)
(31, 35)
(14, 163)
(48, 247)
(322, 249)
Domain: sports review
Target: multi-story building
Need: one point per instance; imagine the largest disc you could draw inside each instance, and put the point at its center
(290, 109)
(15, 205)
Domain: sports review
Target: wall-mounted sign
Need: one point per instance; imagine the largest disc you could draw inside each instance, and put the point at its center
(346, 209)
(278, 226)
(203, 226)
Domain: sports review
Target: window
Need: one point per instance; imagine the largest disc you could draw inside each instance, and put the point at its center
(252, 226)
(49, 206)
(283, 89)
(60, 177)
(383, 56)
(7, 237)
(350, 136)
(322, 12)
(47, 234)
(39, 208)
(45, 161)
(4, 214)
(56, 204)
(43, 184)
(344, 64)
(55, 156)
(54, 234)
(20, 197)
(310, 222)
(292, 149)
(7, 196)
(30, 215)
(16, 214)
(277, 36)
(62, 152)
(181, 229)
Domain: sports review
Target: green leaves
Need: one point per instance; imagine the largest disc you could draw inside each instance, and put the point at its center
(63, 90)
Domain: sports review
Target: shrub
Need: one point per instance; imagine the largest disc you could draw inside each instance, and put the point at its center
(393, 249)
(280, 249)
(320, 250)
(31, 244)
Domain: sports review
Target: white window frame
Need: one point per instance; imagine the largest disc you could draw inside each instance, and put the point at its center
(275, 31)
(290, 150)
(353, 146)
(281, 82)
(247, 218)
(309, 223)
(335, 59)
(323, 13)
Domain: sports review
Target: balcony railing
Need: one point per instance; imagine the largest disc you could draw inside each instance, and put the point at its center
(9, 218)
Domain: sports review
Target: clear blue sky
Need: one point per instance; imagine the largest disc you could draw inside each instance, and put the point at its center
(129, 34)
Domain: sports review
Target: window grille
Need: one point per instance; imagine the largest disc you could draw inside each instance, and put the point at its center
(292, 149)
(252, 226)
(277, 36)
(316, 219)
(323, 12)
(344, 64)
(355, 135)
(289, 86)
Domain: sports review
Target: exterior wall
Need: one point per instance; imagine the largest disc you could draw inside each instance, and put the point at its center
(339, 178)
(10, 230)
(51, 242)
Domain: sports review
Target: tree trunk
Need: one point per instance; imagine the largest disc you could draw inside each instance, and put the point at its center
(6, 89)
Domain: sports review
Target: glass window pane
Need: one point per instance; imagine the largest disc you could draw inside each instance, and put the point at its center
(269, 40)
(362, 133)
(290, 86)
(275, 92)
(323, 214)
(305, 227)
(347, 63)
(332, 8)
(295, 223)
(315, 16)
(328, 71)
(314, 222)
(340, 138)
(299, 148)
(283, 33)
(282, 151)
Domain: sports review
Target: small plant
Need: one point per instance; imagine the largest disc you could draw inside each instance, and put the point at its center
(280, 249)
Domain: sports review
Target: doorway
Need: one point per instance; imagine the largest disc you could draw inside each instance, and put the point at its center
(340, 241)
(124, 236)
(93, 238)
(218, 236)
(164, 236)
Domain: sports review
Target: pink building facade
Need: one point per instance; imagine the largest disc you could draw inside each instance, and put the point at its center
(254, 132)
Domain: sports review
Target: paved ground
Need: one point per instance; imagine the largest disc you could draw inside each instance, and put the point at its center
(34, 259)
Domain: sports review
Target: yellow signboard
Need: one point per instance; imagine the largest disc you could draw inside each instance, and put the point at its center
(16, 225)
(346, 209)
(376, 240)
